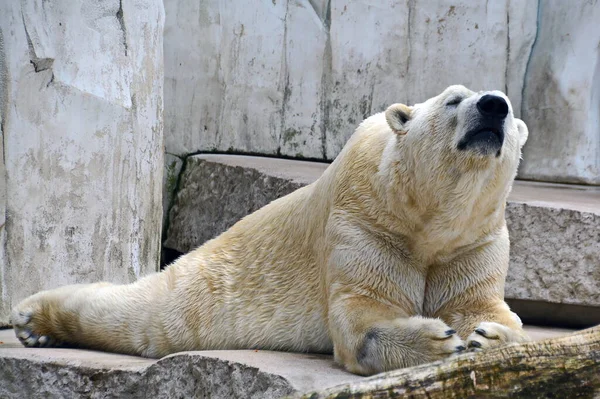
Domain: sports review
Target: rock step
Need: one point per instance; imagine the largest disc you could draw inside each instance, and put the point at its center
(555, 228)
(74, 373)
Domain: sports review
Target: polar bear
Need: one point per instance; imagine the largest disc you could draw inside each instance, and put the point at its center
(398, 252)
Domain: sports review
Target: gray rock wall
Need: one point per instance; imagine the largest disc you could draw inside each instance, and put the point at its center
(561, 103)
(295, 77)
(81, 123)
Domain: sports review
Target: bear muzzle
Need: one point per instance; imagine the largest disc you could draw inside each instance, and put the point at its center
(486, 134)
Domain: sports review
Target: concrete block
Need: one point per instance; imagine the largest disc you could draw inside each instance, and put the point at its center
(555, 243)
(224, 88)
(81, 111)
(218, 190)
(561, 102)
(58, 373)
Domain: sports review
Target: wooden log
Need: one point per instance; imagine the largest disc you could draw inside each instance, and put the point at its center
(564, 367)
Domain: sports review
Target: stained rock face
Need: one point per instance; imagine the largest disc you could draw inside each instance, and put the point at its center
(561, 102)
(81, 125)
(173, 166)
(218, 190)
(295, 77)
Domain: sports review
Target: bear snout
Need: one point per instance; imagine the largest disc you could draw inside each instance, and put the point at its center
(492, 106)
(485, 138)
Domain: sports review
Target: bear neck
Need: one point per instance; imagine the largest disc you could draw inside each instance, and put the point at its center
(436, 204)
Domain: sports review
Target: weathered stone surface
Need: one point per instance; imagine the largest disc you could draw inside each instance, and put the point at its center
(173, 165)
(81, 120)
(561, 103)
(4, 303)
(218, 190)
(306, 61)
(68, 373)
(325, 65)
(555, 247)
(225, 86)
(555, 229)
(406, 51)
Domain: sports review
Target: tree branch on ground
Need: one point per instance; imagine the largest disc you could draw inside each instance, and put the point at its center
(564, 367)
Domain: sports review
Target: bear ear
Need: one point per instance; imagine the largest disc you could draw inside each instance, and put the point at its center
(523, 131)
(396, 116)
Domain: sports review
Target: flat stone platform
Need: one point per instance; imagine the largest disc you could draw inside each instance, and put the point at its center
(74, 373)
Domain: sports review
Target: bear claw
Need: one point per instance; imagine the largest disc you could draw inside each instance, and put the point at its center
(481, 332)
(474, 344)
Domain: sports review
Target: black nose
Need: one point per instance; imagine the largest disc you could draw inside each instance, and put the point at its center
(492, 106)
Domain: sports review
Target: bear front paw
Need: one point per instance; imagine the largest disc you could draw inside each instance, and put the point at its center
(405, 343)
(491, 335)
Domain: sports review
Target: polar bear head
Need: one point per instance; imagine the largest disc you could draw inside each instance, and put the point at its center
(467, 129)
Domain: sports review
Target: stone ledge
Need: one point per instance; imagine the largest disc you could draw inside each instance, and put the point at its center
(215, 191)
(555, 228)
(73, 373)
(61, 373)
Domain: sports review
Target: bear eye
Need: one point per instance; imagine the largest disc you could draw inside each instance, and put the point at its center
(454, 101)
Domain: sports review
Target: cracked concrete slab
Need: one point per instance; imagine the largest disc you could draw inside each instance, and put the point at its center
(61, 373)
(82, 143)
(68, 373)
(554, 228)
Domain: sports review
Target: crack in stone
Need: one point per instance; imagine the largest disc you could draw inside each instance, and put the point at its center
(318, 12)
(285, 77)
(326, 75)
(327, 21)
(507, 49)
(122, 24)
(3, 94)
(51, 80)
(39, 64)
(4, 261)
(410, 17)
(537, 33)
